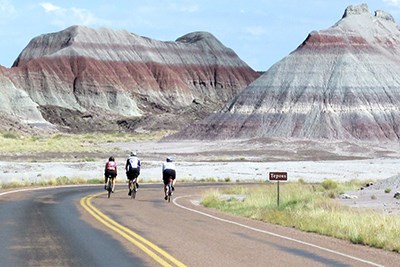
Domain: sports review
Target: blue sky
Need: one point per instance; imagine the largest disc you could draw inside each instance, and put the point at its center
(261, 32)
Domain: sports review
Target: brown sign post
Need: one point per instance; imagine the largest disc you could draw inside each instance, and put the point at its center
(278, 176)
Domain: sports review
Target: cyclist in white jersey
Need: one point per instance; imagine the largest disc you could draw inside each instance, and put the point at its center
(168, 171)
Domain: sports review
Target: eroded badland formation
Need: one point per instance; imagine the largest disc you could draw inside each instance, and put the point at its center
(342, 83)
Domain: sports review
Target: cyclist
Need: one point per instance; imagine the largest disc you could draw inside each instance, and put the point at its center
(110, 170)
(132, 168)
(168, 171)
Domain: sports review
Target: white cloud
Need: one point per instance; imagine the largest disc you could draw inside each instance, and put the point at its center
(65, 17)
(85, 17)
(189, 8)
(6, 8)
(49, 7)
(256, 31)
(393, 2)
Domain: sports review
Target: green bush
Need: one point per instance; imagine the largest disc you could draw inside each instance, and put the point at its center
(10, 135)
(329, 184)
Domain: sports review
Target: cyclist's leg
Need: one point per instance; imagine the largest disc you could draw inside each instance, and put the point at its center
(165, 187)
(165, 191)
(173, 184)
(165, 182)
(136, 177)
(135, 181)
(105, 180)
(113, 183)
(129, 187)
(173, 174)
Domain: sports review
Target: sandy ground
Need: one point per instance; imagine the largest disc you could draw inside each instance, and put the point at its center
(241, 161)
(234, 160)
(309, 171)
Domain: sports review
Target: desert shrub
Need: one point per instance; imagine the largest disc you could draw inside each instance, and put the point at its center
(58, 136)
(331, 194)
(329, 184)
(301, 181)
(62, 180)
(388, 190)
(9, 135)
(95, 181)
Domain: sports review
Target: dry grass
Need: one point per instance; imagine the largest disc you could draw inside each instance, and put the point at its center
(11, 143)
(311, 208)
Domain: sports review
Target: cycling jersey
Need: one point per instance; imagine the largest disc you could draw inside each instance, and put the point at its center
(110, 170)
(111, 166)
(168, 165)
(132, 163)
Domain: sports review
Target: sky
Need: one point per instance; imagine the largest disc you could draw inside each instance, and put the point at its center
(261, 32)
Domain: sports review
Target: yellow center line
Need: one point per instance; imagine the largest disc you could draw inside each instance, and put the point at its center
(146, 246)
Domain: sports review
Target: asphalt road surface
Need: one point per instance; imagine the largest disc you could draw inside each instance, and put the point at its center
(80, 226)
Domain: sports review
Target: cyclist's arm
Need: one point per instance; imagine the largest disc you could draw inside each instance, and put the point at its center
(126, 165)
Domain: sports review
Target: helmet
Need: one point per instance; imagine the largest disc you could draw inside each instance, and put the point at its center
(111, 158)
(170, 159)
(133, 153)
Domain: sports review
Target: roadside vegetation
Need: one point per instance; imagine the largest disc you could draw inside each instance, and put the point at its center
(62, 180)
(310, 208)
(12, 143)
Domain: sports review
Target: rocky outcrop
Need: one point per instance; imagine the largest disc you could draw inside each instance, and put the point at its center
(118, 76)
(17, 108)
(340, 83)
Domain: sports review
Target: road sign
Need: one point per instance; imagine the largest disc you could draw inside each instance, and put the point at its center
(278, 176)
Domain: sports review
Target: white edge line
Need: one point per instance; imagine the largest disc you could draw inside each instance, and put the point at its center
(273, 234)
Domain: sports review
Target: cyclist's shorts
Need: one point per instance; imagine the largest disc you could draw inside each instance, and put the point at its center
(112, 174)
(167, 174)
(133, 173)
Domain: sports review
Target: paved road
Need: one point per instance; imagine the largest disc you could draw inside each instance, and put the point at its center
(70, 227)
(45, 228)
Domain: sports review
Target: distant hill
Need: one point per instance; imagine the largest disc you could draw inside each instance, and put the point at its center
(84, 79)
(340, 83)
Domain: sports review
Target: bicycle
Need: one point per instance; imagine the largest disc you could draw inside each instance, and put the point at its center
(109, 185)
(133, 188)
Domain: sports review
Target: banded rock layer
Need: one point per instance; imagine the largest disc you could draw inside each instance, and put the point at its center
(340, 83)
(17, 108)
(82, 74)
